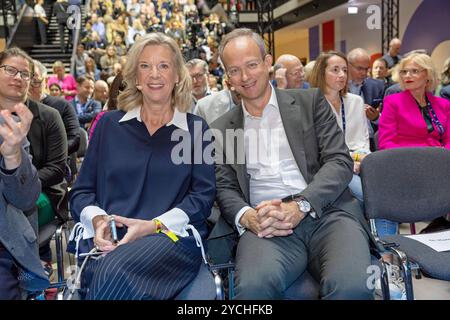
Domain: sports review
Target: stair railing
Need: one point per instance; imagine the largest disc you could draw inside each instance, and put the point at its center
(9, 8)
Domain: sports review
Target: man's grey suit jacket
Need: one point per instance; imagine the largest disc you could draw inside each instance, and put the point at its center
(18, 222)
(319, 149)
(214, 106)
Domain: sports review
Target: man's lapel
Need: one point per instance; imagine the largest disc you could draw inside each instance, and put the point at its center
(293, 126)
(237, 123)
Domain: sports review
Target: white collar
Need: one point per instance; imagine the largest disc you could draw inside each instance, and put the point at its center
(273, 102)
(179, 118)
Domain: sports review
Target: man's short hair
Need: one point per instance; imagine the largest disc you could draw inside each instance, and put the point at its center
(198, 62)
(243, 32)
(82, 79)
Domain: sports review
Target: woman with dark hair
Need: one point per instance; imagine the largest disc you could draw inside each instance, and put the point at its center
(330, 74)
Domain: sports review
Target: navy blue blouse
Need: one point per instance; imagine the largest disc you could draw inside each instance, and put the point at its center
(129, 172)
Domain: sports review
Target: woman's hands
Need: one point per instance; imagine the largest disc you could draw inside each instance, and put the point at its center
(13, 133)
(136, 229)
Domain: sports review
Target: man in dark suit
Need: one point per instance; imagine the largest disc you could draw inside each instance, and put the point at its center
(371, 90)
(445, 92)
(85, 107)
(282, 174)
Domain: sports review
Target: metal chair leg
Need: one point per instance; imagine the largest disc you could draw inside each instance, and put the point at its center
(59, 253)
(406, 271)
(385, 283)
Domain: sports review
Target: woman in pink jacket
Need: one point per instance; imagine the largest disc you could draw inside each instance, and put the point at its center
(414, 117)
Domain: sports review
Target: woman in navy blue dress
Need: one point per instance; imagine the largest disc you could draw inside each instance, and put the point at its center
(147, 166)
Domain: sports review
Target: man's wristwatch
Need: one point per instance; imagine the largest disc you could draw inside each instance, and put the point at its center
(302, 203)
(305, 207)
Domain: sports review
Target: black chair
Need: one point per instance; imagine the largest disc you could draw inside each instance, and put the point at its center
(83, 143)
(409, 185)
(55, 229)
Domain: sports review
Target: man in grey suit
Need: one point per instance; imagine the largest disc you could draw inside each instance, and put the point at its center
(282, 174)
(216, 104)
(20, 266)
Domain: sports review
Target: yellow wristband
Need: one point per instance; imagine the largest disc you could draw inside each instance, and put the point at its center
(356, 157)
(168, 233)
(158, 225)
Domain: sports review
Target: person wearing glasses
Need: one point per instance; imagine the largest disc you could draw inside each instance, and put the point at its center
(38, 93)
(133, 172)
(371, 90)
(283, 187)
(48, 146)
(293, 72)
(198, 70)
(414, 117)
(20, 266)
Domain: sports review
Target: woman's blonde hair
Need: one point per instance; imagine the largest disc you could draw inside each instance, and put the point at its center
(57, 64)
(445, 75)
(422, 60)
(131, 97)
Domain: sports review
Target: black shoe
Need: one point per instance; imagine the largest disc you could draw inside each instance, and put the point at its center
(438, 224)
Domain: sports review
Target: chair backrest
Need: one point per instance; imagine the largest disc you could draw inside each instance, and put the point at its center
(83, 143)
(407, 184)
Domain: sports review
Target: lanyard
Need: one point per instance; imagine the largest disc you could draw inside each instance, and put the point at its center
(430, 116)
(343, 115)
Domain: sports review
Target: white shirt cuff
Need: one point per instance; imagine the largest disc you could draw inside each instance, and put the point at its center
(176, 221)
(241, 229)
(87, 214)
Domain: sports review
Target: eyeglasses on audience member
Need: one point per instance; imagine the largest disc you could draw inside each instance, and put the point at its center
(13, 71)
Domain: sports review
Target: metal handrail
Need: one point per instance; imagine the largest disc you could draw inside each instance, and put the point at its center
(10, 35)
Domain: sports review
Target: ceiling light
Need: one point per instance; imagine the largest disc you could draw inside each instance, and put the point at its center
(352, 10)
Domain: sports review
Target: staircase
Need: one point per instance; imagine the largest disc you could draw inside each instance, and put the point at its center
(48, 53)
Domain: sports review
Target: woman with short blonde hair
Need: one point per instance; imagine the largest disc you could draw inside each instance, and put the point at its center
(145, 168)
(414, 117)
(425, 63)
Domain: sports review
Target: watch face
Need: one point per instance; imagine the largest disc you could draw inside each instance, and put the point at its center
(304, 206)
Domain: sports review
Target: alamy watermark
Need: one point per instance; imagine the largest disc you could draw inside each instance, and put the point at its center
(250, 146)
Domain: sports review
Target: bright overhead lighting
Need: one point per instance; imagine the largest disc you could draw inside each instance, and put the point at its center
(352, 10)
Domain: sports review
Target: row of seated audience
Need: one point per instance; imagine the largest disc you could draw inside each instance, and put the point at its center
(157, 90)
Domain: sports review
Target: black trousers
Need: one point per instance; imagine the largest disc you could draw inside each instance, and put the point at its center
(9, 284)
(42, 31)
(61, 29)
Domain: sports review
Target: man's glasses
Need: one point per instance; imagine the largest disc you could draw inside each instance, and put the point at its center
(12, 72)
(197, 76)
(359, 68)
(296, 73)
(413, 72)
(235, 71)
